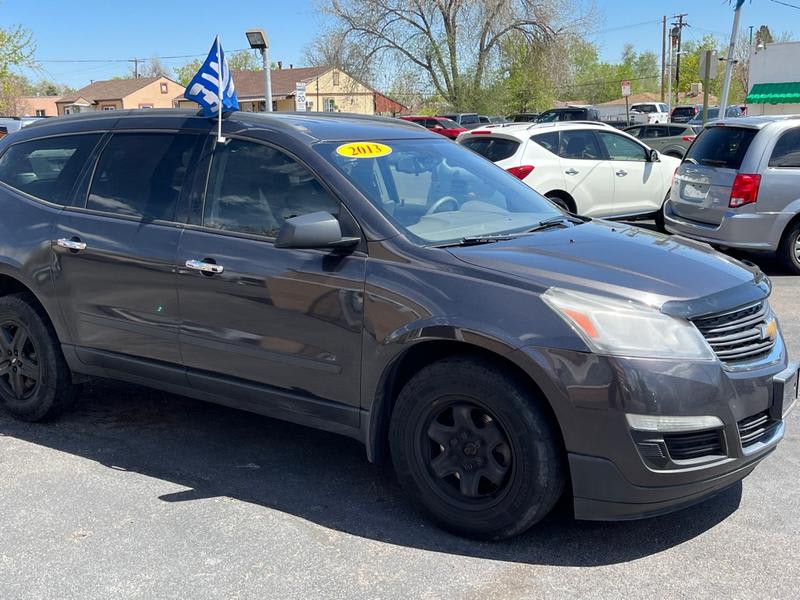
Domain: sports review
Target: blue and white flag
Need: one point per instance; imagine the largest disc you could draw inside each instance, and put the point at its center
(211, 82)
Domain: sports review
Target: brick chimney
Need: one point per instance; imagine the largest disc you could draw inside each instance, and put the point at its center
(280, 65)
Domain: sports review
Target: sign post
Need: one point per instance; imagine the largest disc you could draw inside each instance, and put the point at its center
(626, 91)
(708, 67)
(300, 97)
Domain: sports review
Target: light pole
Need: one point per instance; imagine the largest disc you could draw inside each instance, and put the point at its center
(258, 40)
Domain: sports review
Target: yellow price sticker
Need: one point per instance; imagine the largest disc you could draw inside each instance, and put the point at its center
(363, 150)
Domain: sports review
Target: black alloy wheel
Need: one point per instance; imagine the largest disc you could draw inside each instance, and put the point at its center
(466, 452)
(20, 371)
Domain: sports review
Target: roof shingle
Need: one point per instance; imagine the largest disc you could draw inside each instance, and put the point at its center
(250, 84)
(112, 89)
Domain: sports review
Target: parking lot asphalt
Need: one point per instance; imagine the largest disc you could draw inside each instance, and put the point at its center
(139, 494)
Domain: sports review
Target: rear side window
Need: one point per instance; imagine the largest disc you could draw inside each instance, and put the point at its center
(254, 188)
(786, 153)
(47, 168)
(684, 111)
(492, 148)
(142, 174)
(722, 147)
(680, 130)
(548, 141)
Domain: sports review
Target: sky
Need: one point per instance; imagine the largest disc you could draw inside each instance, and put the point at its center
(108, 31)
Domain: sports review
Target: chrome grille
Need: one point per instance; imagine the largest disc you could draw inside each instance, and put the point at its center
(756, 428)
(738, 335)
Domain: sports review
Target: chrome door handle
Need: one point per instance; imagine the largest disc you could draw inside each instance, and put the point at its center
(204, 267)
(621, 173)
(76, 245)
(571, 171)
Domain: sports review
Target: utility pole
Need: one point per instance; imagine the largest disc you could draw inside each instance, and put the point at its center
(135, 62)
(726, 82)
(680, 25)
(751, 35)
(664, 51)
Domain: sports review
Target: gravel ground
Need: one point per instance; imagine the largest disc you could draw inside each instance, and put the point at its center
(138, 494)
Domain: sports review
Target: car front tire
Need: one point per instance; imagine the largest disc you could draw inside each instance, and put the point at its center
(789, 250)
(35, 382)
(475, 449)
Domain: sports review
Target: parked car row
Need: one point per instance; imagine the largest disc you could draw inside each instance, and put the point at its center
(369, 278)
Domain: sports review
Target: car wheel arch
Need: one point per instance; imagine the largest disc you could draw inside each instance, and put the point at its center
(566, 197)
(14, 285)
(409, 362)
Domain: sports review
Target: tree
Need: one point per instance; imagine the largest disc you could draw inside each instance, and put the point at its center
(332, 49)
(16, 49)
(244, 60)
(455, 43)
(153, 67)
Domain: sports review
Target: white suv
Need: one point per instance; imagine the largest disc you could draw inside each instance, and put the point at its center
(586, 168)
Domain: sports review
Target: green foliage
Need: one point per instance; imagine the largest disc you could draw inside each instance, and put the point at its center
(16, 49)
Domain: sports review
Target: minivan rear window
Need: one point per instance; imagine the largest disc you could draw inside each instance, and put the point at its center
(684, 111)
(492, 148)
(722, 147)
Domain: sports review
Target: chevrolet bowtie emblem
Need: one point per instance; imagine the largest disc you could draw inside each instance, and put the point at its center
(769, 331)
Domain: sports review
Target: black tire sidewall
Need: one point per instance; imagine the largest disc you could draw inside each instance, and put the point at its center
(788, 255)
(52, 392)
(537, 477)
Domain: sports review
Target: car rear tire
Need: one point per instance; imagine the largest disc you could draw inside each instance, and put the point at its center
(35, 382)
(789, 250)
(476, 450)
(559, 201)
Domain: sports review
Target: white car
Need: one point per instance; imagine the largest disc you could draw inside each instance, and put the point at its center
(657, 112)
(586, 168)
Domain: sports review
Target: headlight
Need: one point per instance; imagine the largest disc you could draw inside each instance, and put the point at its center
(622, 328)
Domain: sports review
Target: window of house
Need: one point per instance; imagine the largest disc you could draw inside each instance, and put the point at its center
(47, 168)
(254, 188)
(329, 104)
(787, 151)
(621, 148)
(40, 112)
(109, 107)
(164, 88)
(145, 106)
(142, 174)
(336, 78)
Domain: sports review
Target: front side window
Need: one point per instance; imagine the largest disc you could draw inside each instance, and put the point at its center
(786, 153)
(439, 192)
(621, 148)
(254, 188)
(142, 174)
(580, 144)
(47, 168)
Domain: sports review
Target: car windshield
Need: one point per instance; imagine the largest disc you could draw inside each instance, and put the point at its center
(439, 192)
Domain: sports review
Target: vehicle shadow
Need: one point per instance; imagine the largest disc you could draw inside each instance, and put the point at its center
(215, 451)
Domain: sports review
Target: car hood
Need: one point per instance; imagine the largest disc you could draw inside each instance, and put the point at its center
(681, 277)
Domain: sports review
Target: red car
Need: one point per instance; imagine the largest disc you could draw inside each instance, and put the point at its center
(441, 125)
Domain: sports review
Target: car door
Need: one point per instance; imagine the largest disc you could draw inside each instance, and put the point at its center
(588, 176)
(115, 250)
(280, 328)
(638, 183)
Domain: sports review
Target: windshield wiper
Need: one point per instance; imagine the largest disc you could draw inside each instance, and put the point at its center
(476, 240)
(558, 220)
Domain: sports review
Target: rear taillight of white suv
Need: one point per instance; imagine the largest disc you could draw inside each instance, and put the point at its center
(744, 190)
(521, 172)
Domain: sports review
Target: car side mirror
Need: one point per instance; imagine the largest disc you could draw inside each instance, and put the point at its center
(314, 230)
(653, 157)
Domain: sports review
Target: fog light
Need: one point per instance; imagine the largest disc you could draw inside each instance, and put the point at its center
(671, 424)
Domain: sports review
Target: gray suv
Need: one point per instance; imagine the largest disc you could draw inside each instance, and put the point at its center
(371, 278)
(739, 187)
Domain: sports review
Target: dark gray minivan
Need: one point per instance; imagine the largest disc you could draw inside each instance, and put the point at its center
(367, 277)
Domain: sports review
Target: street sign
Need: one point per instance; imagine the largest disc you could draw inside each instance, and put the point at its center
(626, 88)
(300, 97)
(709, 56)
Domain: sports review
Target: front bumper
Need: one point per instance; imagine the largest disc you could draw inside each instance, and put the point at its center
(618, 473)
(738, 229)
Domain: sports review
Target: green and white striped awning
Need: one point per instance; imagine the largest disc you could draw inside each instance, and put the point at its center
(774, 93)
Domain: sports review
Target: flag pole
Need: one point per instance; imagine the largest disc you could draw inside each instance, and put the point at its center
(220, 139)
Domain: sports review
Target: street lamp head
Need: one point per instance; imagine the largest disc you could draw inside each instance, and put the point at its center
(257, 38)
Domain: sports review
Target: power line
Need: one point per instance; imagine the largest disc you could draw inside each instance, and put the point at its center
(125, 60)
(603, 81)
(631, 26)
(785, 4)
